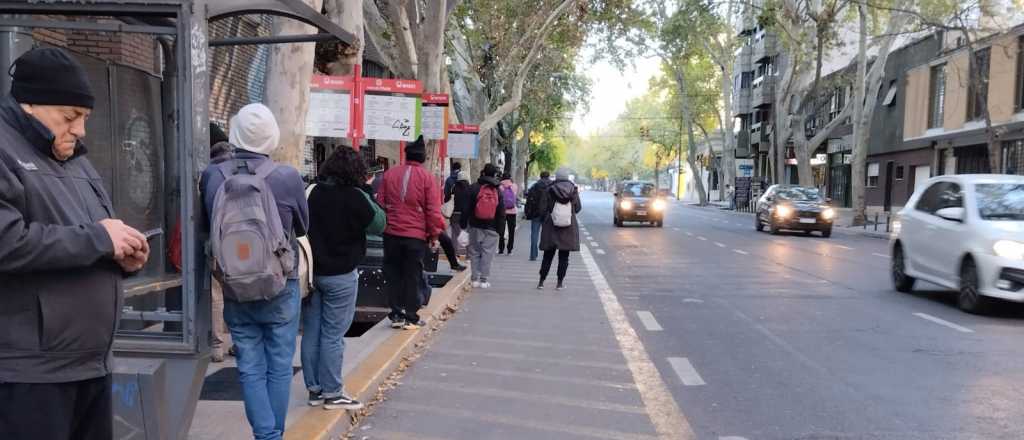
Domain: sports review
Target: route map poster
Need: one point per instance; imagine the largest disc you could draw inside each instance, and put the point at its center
(392, 110)
(330, 107)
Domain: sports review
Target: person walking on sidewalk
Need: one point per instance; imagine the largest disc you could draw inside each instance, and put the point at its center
(510, 197)
(412, 199)
(537, 211)
(453, 178)
(460, 195)
(341, 214)
(263, 324)
(561, 231)
(485, 219)
(62, 259)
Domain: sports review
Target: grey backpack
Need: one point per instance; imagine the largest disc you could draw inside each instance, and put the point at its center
(252, 256)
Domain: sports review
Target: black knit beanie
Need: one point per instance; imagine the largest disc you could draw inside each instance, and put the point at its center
(50, 76)
(217, 134)
(416, 151)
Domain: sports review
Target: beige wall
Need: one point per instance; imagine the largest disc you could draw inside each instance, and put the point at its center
(1002, 75)
(957, 78)
(915, 122)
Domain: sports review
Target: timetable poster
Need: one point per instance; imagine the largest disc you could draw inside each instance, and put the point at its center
(463, 141)
(330, 107)
(392, 110)
(435, 117)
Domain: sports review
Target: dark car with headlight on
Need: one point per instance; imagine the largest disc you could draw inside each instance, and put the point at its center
(638, 202)
(794, 208)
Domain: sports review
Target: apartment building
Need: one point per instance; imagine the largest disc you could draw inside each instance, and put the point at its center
(755, 76)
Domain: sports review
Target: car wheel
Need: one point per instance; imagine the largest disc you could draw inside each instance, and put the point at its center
(618, 223)
(808, 232)
(660, 223)
(773, 228)
(970, 299)
(900, 280)
(758, 226)
(826, 232)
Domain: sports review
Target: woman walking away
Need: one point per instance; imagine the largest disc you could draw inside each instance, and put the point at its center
(509, 195)
(561, 232)
(341, 214)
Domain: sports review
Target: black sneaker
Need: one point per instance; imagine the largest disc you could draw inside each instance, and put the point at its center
(397, 323)
(458, 268)
(409, 325)
(315, 399)
(342, 402)
(560, 286)
(540, 286)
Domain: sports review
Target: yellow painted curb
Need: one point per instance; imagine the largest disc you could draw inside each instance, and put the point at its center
(363, 381)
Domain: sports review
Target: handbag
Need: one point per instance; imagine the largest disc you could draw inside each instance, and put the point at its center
(380, 218)
(448, 208)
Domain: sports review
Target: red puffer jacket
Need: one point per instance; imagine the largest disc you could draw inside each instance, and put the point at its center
(418, 215)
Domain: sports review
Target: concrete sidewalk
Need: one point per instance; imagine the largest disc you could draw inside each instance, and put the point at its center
(518, 363)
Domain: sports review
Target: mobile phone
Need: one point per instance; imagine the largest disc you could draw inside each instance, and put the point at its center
(153, 233)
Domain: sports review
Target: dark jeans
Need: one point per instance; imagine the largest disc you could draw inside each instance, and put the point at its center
(403, 274)
(535, 227)
(57, 411)
(510, 228)
(449, 249)
(563, 265)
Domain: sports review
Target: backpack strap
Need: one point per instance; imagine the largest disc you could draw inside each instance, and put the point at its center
(264, 169)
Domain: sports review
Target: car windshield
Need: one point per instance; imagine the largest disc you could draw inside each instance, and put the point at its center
(799, 194)
(1001, 201)
(638, 190)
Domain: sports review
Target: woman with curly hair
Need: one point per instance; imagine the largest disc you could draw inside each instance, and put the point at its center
(340, 212)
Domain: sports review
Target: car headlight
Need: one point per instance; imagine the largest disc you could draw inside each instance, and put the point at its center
(626, 205)
(828, 214)
(783, 211)
(658, 205)
(1013, 250)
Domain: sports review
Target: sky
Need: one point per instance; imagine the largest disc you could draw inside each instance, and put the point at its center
(611, 90)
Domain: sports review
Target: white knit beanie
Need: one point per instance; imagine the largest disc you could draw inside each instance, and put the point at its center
(255, 129)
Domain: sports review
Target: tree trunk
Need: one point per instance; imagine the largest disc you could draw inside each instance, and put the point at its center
(398, 17)
(289, 70)
(349, 16)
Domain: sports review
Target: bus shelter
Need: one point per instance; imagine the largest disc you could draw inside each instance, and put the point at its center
(149, 139)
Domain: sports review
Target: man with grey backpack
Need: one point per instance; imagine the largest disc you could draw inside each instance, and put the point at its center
(257, 209)
(561, 231)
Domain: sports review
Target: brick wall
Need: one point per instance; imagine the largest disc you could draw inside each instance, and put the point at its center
(237, 73)
(128, 49)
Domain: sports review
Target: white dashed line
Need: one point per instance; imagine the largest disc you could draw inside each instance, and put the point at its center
(943, 322)
(881, 255)
(668, 419)
(693, 300)
(599, 251)
(844, 247)
(719, 244)
(741, 252)
(684, 369)
(689, 234)
(702, 239)
(675, 229)
(647, 318)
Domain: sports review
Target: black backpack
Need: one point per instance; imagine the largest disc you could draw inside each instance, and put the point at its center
(536, 201)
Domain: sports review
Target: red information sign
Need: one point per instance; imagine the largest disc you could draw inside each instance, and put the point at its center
(407, 86)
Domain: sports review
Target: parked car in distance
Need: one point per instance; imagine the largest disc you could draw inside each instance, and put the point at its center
(963, 232)
(796, 208)
(638, 202)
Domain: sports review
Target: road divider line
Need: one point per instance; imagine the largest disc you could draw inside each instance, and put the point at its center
(675, 229)
(881, 255)
(684, 369)
(701, 238)
(689, 234)
(844, 247)
(943, 322)
(721, 245)
(668, 419)
(741, 252)
(600, 251)
(647, 319)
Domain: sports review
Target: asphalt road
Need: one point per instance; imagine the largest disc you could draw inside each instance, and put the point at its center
(794, 337)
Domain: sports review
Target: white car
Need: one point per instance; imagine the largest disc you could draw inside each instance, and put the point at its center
(963, 232)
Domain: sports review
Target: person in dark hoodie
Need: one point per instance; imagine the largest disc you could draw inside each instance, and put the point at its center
(562, 240)
(483, 214)
(62, 259)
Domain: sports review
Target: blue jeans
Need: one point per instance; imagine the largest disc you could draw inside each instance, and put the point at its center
(535, 227)
(264, 336)
(326, 316)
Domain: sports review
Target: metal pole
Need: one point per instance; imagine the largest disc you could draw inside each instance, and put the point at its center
(14, 41)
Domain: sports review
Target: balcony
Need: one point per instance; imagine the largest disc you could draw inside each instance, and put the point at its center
(740, 102)
(759, 135)
(744, 61)
(765, 46)
(743, 143)
(763, 93)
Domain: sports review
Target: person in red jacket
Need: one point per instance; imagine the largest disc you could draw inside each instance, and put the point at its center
(412, 198)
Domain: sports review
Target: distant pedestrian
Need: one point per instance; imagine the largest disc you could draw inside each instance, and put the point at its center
(262, 318)
(730, 195)
(449, 183)
(412, 199)
(484, 216)
(62, 259)
(561, 232)
(341, 214)
(537, 210)
(459, 193)
(510, 197)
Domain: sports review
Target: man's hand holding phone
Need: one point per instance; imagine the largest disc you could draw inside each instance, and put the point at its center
(131, 247)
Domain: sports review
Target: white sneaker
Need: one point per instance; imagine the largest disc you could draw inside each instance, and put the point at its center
(485, 285)
(476, 284)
